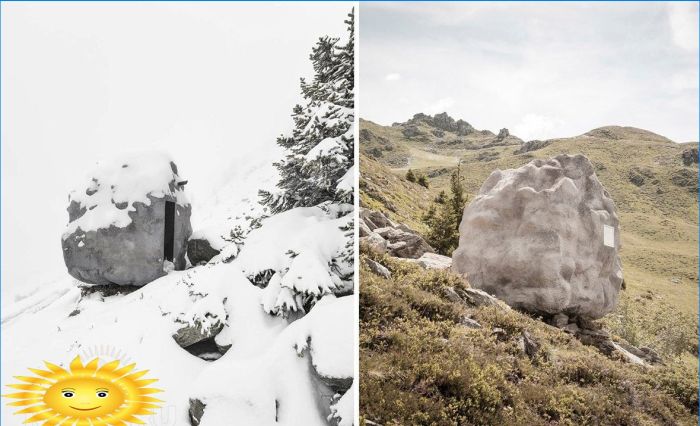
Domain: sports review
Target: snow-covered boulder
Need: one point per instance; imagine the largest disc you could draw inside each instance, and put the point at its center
(203, 246)
(303, 376)
(119, 219)
(544, 238)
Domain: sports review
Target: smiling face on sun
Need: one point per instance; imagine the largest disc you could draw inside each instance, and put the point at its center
(84, 397)
(105, 394)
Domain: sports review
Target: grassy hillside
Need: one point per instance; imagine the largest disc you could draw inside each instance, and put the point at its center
(656, 199)
(424, 141)
(655, 194)
(421, 365)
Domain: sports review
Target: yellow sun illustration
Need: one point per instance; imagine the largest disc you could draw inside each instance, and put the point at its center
(87, 395)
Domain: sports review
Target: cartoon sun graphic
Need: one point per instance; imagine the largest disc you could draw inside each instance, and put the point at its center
(87, 395)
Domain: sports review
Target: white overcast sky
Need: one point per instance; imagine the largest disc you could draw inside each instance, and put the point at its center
(208, 83)
(540, 69)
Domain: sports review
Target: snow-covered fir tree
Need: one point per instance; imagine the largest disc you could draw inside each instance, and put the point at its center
(317, 172)
(320, 148)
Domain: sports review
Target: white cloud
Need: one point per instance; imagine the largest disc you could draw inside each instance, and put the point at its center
(441, 105)
(683, 19)
(534, 126)
(393, 77)
(573, 64)
(685, 80)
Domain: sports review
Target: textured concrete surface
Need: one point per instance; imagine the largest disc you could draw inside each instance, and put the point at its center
(533, 237)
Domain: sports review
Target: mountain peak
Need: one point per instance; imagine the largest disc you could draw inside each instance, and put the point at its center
(442, 122)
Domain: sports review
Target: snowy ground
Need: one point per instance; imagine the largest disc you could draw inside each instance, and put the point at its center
(270, 375)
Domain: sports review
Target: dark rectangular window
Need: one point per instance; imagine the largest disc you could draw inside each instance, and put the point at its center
(169, 237)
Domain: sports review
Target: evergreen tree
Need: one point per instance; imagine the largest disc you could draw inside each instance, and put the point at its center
(444, 217)
(410, 176)
(320, 150)
(423, 181)
(318, 171)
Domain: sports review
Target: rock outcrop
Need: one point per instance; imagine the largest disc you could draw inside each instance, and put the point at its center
(200, 250)
(116, 231)
(690, 156)
(433, 261)
(532, 145)
(403, 243)
(385, 236)
(544, 238)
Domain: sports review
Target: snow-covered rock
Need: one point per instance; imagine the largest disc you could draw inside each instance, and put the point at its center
(201, 248)
(279, 386)
(116, 228)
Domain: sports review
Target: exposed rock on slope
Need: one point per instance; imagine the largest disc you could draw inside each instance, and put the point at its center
(200, 250)
(534, 237)
(532, 145)
(116, 228)
(384, 236)
(690, 156)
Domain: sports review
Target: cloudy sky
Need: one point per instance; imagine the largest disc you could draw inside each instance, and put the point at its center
(540, 69)
(209, 83)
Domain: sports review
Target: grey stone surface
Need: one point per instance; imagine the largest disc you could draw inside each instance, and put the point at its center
(374, 219)
(132, 255)
(375, 242)
(433, 261)
(690, 156)
(190, 334)
(470, 323)
(528, 344)
(114, 242)
(533, 237)
(196, 411)
(404, 244)
(476, 298)
(199, 250)
(532, 145)
(378, 268)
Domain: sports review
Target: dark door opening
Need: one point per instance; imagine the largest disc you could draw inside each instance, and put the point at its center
(169, 237)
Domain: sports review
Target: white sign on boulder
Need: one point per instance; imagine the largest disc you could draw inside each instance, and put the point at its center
(532, 237)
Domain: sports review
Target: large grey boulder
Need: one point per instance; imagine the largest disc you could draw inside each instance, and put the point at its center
(544, 238)
(116, 230)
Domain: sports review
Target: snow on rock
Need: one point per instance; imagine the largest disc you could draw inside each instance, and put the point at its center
(117, 222)
(329, 337)
(343, 410)
(279, 385)
(111, 189)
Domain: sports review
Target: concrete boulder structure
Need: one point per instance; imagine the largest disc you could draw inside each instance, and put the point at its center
(128, 223)
(544, 238)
